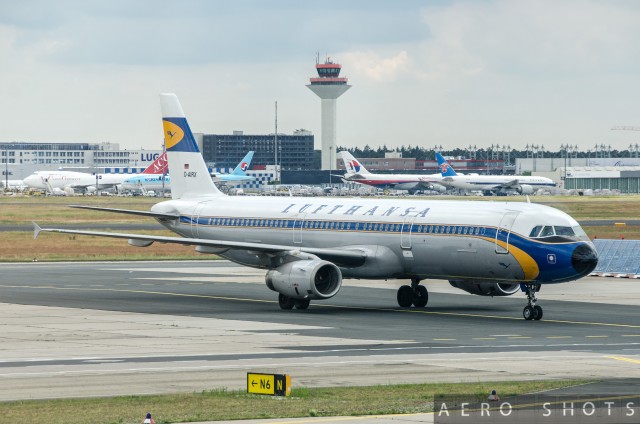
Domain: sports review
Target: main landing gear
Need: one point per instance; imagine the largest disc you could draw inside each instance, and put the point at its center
(415, 294)
(532, 311)
(288, 303)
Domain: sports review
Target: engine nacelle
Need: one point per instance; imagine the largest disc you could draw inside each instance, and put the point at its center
(305, 279)
(524, 189)
(439, 188)
(484, 288)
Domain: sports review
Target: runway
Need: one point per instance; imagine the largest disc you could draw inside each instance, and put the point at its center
(98, 329)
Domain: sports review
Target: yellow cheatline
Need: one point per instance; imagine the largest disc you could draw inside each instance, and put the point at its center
(624, 359)
(527, 263)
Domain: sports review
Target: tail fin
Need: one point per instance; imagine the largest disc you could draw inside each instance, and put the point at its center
(159, 166)
(189, 174)
(352, 165)
(445, 169)
(244, 164)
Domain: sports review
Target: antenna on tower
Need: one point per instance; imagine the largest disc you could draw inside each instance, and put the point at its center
(275, 143)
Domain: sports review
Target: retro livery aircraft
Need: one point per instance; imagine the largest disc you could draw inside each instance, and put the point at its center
(308, 245)
(357, 173)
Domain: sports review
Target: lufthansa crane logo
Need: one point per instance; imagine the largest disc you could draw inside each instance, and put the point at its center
(173, 134)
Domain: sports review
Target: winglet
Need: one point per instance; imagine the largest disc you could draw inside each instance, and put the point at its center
(36, 230)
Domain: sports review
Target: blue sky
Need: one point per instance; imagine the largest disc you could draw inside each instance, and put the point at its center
(427, 73)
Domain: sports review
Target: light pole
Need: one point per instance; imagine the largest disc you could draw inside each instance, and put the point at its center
(6, 167)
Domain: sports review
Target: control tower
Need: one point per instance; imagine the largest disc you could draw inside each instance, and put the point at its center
(328, 86)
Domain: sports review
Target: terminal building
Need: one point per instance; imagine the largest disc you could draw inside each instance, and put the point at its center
(597, 174)
(21, 159)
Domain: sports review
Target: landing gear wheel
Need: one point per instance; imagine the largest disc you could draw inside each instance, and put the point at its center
(420, 297)
(285, 302)
(302, 304)
(537, 313)
(527, 313)
(405, 296)
(532, 311)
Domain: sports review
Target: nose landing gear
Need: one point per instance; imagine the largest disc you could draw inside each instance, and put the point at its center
(532, 311)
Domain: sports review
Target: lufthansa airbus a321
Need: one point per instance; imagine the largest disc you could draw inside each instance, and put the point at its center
(308, 245)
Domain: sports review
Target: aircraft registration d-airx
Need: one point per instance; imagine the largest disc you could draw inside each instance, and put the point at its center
(308, 245)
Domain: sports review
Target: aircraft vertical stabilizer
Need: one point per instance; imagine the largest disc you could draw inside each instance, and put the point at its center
(189, 174)
(159, 166)
(445, 169)
(352, 164)
(244, 164)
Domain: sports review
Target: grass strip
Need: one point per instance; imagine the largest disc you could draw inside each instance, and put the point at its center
(221, 404)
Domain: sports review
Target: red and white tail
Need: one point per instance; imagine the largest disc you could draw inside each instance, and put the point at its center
(159, 166)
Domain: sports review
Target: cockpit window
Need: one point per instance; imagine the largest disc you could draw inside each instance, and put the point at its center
(579, 232)
(547, 231)
(564, 231)
(535, 231)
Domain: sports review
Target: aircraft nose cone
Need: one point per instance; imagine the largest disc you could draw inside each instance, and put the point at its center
(584, 259)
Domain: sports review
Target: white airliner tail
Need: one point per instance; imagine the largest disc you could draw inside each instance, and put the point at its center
(189, 173)
(352, 164)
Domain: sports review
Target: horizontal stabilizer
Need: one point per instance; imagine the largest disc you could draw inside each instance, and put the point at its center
(129, 212)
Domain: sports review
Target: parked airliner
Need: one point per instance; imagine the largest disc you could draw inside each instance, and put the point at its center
(308, 245)
(163, 181)
(499, 184)
(357, 173)
(66, 182)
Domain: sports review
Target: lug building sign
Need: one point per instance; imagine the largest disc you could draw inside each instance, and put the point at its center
(269, 384)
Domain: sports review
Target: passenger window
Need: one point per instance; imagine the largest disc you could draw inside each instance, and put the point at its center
(547, 231)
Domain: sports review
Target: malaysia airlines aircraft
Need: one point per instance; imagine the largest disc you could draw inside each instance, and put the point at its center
(160, 181)
(308, 245)
(66, 182)
(500, 184)
(357, 173)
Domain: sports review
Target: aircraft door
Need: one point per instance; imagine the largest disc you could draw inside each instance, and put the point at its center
(297, 227)
(195, 220)
(504, 231)
(406, 230)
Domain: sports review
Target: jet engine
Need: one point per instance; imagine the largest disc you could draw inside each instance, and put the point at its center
(484, 288)
(524, 189)
(439, 188)
(305, 279)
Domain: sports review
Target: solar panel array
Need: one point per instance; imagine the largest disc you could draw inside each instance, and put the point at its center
(618, 257)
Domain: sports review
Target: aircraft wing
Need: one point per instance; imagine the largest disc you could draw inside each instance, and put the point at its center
(346, 257)
(129, 212)
(513, 184)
